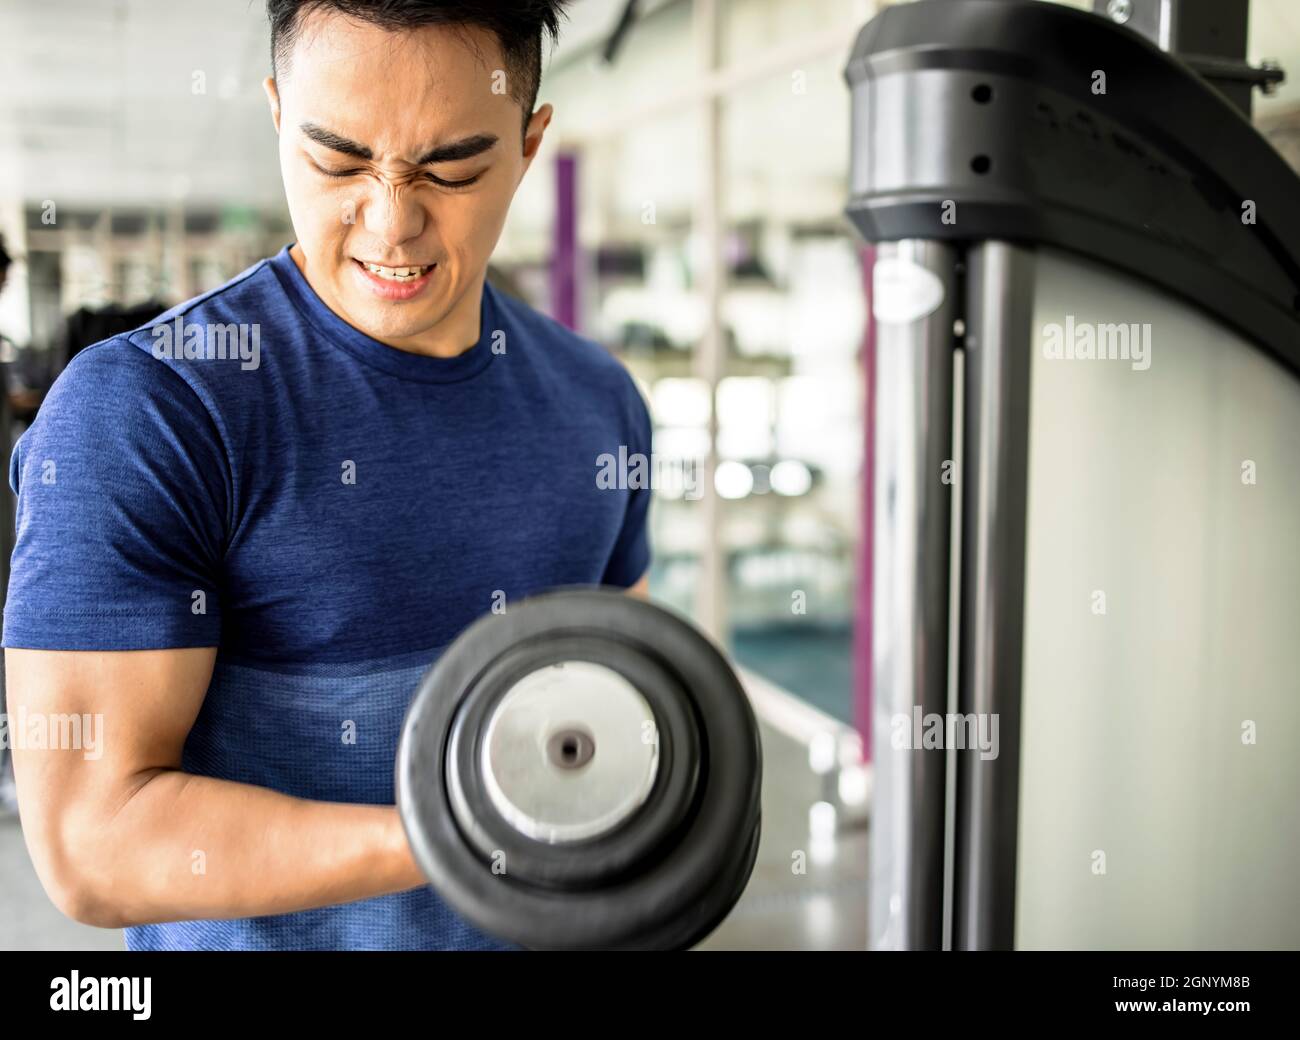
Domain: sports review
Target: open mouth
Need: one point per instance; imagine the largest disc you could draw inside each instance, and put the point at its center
(395, 284)
(397, 275)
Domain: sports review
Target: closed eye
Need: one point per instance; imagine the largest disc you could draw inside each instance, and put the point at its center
(453, 184)
(465, 183)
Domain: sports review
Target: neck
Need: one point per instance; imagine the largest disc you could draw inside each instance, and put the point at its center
(457, 332)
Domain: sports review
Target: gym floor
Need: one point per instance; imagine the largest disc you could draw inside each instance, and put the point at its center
(822, 909)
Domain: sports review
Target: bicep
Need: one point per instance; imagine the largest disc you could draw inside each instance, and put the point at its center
(126, 715)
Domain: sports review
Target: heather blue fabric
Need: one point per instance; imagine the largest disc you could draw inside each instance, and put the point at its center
(330, 519)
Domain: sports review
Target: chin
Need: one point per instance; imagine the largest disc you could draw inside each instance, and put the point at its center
(379, 321)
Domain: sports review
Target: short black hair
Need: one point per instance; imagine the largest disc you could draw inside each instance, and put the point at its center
(5, 258)
(519, 26)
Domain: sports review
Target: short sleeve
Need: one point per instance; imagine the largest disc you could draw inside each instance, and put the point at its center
(630, 558)
(122, 491)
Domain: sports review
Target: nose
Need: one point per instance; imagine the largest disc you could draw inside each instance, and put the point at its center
(393, 213)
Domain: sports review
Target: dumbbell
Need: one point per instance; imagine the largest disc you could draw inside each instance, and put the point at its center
(582, 771)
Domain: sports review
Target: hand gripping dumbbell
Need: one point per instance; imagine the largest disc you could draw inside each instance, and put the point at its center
(583, 772)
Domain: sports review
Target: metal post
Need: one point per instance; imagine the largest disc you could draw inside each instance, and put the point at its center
(710, 360)
(910, 563)
(999, 316)
(862, 620)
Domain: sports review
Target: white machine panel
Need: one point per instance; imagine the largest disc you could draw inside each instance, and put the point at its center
(1160, 770)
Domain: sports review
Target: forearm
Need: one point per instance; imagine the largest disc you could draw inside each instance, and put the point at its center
(184, 847)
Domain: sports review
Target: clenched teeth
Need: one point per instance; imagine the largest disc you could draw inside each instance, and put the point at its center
(398, 274)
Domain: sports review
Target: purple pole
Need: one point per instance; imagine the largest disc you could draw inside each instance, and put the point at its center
(863, 595)
(564, 255)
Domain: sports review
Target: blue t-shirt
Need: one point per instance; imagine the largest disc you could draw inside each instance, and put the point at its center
(330, 512)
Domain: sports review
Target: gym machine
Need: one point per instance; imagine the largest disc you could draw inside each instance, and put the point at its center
(1084, 476)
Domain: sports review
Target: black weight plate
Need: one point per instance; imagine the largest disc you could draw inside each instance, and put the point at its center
(600, 859)
(683, 933)
(655, 614)
(690, 886)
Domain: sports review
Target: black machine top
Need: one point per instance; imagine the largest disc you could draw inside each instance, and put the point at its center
(1026, 121)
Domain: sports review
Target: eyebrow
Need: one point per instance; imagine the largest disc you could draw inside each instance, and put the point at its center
(466, 148)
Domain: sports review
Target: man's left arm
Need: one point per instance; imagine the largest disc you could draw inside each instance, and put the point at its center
(629, 564)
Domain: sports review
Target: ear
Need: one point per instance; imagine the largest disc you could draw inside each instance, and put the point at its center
(273, 99)
(537, 125)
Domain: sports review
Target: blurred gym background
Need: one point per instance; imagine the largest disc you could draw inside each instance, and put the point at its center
(686, 211)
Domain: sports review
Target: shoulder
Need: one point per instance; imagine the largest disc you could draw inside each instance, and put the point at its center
(116, 402)
(117, 426)
(247, 291)
(241, 301)
(583, 366)
(168, 362)
(114, 377)
(117, 416)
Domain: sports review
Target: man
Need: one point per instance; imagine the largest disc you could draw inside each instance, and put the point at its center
(245, 560)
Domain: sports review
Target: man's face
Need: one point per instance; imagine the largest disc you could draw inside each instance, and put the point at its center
(445, 157)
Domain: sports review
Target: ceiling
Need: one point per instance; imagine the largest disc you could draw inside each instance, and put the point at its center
(100, 100)
(141, 101)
